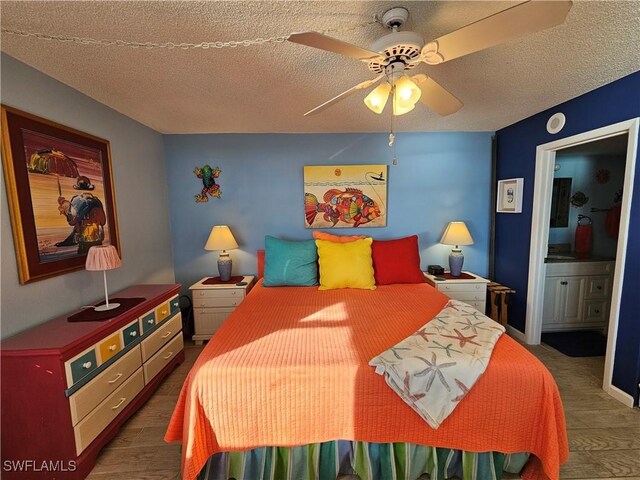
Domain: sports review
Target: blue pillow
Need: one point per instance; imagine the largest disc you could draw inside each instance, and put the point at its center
(290, 263)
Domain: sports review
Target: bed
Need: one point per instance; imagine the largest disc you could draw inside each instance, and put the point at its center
(289, 370)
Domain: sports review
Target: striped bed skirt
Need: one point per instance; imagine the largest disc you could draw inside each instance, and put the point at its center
(369, 461)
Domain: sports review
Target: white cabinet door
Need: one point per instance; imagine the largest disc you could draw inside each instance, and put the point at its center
(573, 289)
(553, 301)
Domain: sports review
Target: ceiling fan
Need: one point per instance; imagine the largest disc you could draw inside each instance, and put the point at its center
(398, 52)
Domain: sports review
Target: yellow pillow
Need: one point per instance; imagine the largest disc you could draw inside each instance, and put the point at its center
(346, 265)
(335, 238)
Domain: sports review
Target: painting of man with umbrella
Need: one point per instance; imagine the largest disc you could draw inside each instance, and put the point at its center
(59, 183)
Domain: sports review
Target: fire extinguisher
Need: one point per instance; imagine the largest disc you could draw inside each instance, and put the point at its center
(584, 235)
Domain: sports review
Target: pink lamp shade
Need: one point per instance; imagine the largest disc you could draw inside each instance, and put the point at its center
(103, 257)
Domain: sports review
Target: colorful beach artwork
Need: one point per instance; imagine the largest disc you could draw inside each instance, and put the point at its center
(60, 193)
(345, 196)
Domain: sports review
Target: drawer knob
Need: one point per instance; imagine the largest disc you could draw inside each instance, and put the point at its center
(167, 356)
(203, 304)
(112, 348)
(233, 292)
(117, 406)
(150, 321)
(599, 287)
(597, 311)
(164, 312)
(166, 335)
(175, 304)
(86, 365)
(115, 379)
(133, 334)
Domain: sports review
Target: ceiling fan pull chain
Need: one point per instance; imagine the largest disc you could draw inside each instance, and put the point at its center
(169, 45)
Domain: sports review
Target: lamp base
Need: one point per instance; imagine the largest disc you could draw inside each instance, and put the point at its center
(456, 259)
(105, 307)
(224, 267)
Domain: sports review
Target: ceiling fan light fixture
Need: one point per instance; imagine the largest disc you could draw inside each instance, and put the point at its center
(377, 99)
(407, 93)
(400, 109)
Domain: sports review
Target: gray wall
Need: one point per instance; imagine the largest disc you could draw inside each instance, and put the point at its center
(141, 201)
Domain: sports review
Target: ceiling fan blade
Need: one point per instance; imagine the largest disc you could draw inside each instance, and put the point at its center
(330, 44)
(343, 95)
(522, 19)
(435, 96)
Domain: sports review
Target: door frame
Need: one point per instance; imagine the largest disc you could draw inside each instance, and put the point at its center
(543, 185)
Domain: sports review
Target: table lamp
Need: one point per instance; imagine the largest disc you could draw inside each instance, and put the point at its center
(456, 234)
(103, 257)
(221, 238)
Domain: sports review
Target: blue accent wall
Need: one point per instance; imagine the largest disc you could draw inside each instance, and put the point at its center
(439, 177)
(517, 143)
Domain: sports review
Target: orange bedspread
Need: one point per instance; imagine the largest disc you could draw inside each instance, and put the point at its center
(289, 367)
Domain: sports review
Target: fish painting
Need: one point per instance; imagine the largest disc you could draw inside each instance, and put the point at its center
(350, 206)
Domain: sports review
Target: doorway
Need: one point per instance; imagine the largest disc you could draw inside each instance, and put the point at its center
(543, 190)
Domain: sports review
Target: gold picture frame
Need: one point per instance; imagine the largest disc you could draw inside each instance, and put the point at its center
(60, 194)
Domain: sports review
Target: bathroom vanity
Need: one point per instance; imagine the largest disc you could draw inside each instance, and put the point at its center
(577, 293)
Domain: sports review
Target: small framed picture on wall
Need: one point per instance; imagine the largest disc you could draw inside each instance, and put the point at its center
(510, 195)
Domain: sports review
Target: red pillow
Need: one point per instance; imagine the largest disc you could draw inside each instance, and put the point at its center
(397, 261)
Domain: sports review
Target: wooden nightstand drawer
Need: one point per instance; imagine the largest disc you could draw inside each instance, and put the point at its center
(163, 357)
(478, 305)
(93, 424)
(461, 287)
(230, 301)
(468, 296)
(94, 392)
(208, 320)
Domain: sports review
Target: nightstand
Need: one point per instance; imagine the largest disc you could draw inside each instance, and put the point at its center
(469, 288)
(213, 303)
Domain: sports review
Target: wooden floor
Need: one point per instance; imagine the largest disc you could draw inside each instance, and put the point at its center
(604, 435)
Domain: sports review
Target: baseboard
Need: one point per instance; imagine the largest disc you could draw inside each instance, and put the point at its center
(515, 333)
(622, 397)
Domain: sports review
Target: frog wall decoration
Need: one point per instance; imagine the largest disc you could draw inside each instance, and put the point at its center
(210, 187)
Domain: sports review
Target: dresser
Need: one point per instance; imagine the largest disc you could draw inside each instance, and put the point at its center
(471, 290)
(67, 387)
(213, 303)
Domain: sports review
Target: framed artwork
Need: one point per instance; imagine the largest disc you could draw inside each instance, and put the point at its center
(510, 195)
(59, 192)
(345, 196)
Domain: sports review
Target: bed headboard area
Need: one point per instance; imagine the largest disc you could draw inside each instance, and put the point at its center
(260, 264)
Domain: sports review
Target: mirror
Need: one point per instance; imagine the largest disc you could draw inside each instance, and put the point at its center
(560, 202)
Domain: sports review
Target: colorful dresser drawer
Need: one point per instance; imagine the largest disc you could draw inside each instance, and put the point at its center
(161, 336)
(80, 366)
(104, 384)
(93, 424)
(148, 321)
(109, 347)
(131, 333)
(174, 305)
(162, 312)
(162, 358)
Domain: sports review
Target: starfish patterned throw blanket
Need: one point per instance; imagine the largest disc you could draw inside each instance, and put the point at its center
(433, 369)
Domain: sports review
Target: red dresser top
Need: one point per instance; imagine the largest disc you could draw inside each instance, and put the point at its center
(59, 334)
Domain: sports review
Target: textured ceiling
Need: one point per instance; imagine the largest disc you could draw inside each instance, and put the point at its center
(268, 87)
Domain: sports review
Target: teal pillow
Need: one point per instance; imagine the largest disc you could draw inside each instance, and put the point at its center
(290, 263)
